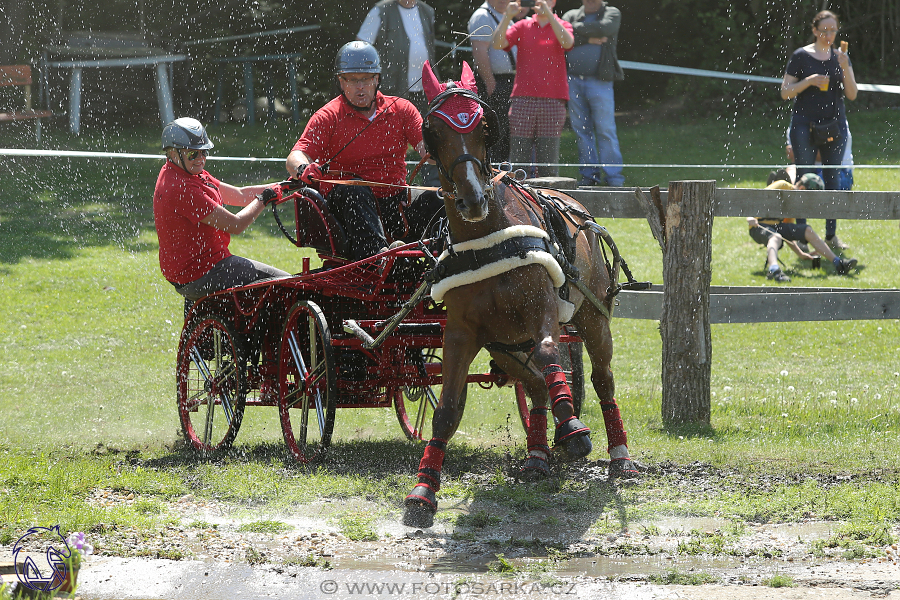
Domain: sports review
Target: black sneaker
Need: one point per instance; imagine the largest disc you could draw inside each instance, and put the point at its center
(778, 275)
(845, 265)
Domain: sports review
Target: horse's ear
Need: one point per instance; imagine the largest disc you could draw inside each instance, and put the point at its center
(467, 79)
(430, 83)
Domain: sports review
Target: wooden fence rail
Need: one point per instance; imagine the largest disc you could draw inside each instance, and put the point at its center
(620, 203)
(686, 357)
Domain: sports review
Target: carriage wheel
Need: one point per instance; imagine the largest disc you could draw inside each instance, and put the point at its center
(415, 405)
(212, 384)
(572, 363)
(307, 392)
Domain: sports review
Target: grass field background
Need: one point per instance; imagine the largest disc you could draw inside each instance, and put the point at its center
(89, 327)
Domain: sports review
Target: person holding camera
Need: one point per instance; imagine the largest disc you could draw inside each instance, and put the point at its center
(817, 78)
(495, 70)
(537, 110)
(194, 227)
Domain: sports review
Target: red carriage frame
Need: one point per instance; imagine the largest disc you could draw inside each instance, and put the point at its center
(305, 343)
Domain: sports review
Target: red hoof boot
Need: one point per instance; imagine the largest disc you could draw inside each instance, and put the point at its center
(535, 469)
(572, 440)
(421, 504)
(622, 468)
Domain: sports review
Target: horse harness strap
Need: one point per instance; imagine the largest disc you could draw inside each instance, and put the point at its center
(500, 252)
(471, 260)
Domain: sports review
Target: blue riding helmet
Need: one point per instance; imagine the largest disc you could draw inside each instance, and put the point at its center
(186, 133)
(357, 57)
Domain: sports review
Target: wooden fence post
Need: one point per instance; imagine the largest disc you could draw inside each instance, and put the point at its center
(685, 329)
(683, 228)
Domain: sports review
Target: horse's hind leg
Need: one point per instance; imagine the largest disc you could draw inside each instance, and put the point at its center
(536, 466)
(572, 439)
(593, 327)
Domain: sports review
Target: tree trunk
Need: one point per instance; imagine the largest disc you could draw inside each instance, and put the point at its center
(686, 339)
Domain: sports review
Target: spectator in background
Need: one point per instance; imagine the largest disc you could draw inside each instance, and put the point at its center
(593, 66)
(540, 90)
(403, 33)
(818, 77)
(495, 70)
(845, 183)
(772, 232)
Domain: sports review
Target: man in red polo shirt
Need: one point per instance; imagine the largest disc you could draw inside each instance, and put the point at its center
(365, 134)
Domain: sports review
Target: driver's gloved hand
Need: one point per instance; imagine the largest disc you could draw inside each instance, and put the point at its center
(270, 195)
(311, 173)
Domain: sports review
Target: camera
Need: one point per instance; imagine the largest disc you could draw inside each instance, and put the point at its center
(526, 3)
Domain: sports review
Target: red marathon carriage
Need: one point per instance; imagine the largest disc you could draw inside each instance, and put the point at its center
(361, 334)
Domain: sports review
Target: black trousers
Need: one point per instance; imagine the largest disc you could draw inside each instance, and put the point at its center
(369, 222)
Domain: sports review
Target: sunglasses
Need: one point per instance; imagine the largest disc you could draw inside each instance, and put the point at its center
(193, 154)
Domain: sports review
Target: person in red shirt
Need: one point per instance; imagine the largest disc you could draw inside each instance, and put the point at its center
(537, 110)
(363, 134)
(192, 224)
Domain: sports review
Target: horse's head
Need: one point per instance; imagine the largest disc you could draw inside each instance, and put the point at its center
(457, 129)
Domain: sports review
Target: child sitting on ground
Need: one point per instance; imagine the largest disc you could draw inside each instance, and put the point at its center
(771, 232)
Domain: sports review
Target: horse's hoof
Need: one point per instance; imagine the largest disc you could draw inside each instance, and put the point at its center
(572, 440)
(535, 469)
(421, 504)
(622, 468)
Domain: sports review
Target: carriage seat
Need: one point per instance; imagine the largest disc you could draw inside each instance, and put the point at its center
(318, 228)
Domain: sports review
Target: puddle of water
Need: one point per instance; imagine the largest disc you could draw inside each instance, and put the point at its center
(593, 566)
(807, 532)
(682, 524)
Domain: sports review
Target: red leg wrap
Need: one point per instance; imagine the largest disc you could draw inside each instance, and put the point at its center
(557, 385)
(615, 429)
(537, 430)
(431, 463)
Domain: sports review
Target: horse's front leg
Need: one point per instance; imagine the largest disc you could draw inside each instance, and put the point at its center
(571, 439)
(459, 352)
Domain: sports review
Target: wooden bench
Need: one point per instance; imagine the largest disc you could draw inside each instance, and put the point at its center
(20, 75)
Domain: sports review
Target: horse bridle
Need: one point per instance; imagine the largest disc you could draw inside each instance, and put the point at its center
(490, 121)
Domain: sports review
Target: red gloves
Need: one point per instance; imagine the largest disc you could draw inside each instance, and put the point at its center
(311, 173)
(270, 195)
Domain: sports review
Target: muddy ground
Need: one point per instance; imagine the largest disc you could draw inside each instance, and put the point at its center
(476, 549)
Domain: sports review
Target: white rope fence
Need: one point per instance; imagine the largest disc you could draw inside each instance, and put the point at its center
(254, 159)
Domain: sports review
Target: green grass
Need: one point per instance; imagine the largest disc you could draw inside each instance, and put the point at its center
(677, 577)
(779, 580)
(265, 526)
(89, 331)
(359, 527)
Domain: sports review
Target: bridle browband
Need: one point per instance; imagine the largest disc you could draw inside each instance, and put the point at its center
(483, 167)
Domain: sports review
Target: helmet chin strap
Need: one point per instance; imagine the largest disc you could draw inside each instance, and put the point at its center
(181, 159)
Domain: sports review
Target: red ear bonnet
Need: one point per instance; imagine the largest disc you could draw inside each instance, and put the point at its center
(460, 113)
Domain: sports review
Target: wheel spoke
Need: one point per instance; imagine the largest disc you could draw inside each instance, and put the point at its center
(297, 355)
(208, 422)
(306, 383)
(194, 401)
(202, 367)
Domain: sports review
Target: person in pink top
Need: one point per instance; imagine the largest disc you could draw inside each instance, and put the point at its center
(541, 89)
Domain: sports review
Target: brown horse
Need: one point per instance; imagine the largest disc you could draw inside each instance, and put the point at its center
(513, 309)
